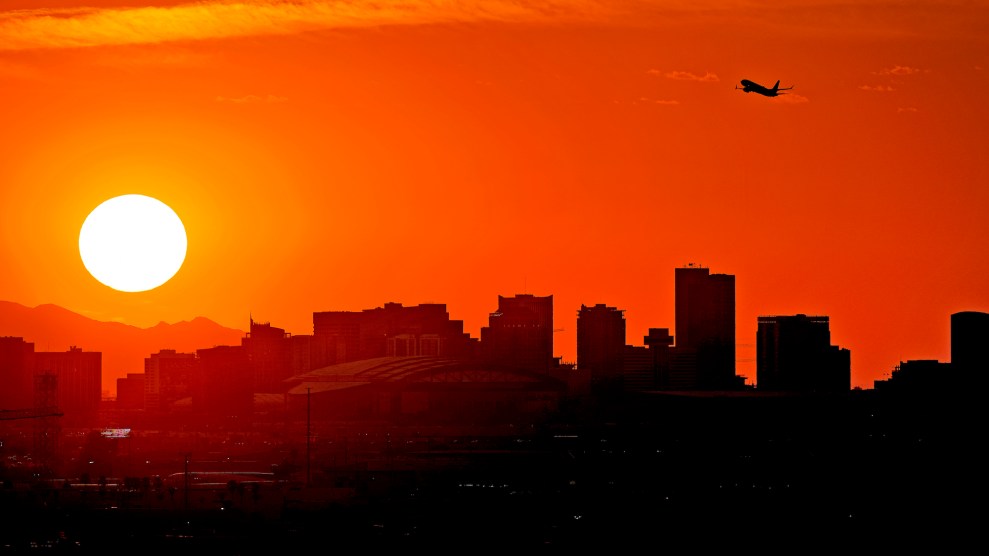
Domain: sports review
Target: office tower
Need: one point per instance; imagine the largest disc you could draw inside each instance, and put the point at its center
(970, 346)
(79, 376)
(600, 341)
(168, 377)
(794, 354)
(269, 353)
(660, 344)
(520, 333)
(389, 331)
(130, 391)
(223, 387)
(16, 373)
(704, 356)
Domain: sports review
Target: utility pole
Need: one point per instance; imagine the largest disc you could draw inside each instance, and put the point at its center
(187, 456)
(308, 436)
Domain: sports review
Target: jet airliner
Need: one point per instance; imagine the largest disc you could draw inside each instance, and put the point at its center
(753, 87)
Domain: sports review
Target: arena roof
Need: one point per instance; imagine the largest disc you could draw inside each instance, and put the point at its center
(411, 369)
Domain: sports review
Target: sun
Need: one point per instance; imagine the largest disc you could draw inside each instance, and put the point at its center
(132, 243)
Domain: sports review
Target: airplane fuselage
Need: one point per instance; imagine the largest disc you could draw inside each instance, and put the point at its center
(753, 87)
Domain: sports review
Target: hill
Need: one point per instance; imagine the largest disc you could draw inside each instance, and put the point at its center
(124, 347)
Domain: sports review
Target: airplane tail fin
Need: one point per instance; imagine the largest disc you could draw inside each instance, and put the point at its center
(777, 85)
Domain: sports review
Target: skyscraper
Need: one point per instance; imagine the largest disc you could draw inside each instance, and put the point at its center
(794, 354)
(520, 333)
(970, 348)
(704, 356)
(392, 330)
(79, 375)
(600, 341)
(168, 378)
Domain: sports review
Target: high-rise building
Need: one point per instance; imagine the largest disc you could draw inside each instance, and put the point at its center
(600, 341)
(269, 353)
(224, 385)
(794, 354)
(520, 333)
(16, 373)
(392, 330)
(660, 344)
(79, 376)
(130, 391)
(970, 346)
(168, 377)
(705, 330)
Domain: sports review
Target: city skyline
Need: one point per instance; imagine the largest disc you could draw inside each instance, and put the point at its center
(341, 262)
(323, 160)
(428, 330)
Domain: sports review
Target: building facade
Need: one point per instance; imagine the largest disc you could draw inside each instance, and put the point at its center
(794, 354)
(600, 341)
(520, 333)
(705, 330)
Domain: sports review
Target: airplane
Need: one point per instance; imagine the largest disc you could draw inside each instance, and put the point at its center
(753, 87)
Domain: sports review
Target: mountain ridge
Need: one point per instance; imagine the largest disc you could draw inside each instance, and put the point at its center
(51, 327)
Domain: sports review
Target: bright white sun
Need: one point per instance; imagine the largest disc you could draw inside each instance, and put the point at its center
(132, 243)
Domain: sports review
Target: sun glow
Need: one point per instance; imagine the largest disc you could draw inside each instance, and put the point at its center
(132, 243)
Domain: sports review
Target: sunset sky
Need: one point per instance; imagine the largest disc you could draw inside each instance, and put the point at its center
(329, 155)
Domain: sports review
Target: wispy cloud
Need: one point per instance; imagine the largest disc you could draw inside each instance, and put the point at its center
(648, 101)
(253, 99)
(898, 70)
(689, 76)
(212, 19)
(878, 88)
(791, 99)
(906, 109)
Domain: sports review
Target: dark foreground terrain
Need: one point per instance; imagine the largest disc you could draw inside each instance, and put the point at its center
(686, 474)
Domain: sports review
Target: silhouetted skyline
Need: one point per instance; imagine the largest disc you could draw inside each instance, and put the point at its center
(700, 357)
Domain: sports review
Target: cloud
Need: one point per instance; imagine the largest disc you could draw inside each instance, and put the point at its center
(791, 98)
(253, 99)
(906, 109)
(647, 100)
(217, 19)
(688, 76)
(879, 88)
(898, 70)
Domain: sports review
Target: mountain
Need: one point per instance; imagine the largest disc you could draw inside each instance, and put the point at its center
(124, 347)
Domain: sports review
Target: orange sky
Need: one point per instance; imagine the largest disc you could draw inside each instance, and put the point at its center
(339, 155)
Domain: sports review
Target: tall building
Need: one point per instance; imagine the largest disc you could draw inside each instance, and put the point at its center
(73, 377)
(269, 352)
(130, 391)
(970, 346)
(600, 341)
(794, 354)
(660, 344)
(168, 378)
(392, 330)
(223, 387)
(79, 376)
(705, 330)
(16, 373)
(520, 333)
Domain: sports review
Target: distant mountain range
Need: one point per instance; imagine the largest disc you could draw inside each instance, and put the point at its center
(124, 347)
